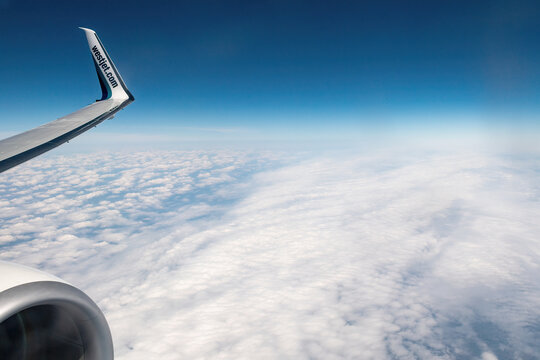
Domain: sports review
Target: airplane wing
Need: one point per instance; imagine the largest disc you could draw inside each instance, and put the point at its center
(115, 96)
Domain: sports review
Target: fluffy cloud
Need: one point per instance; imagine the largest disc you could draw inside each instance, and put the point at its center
(230, 254)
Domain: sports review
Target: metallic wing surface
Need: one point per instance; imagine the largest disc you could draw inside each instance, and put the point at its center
(115, 96)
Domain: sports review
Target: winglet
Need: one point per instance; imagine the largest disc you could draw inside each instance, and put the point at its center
(112, 85)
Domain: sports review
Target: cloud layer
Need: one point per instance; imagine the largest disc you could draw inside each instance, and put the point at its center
(231, 254)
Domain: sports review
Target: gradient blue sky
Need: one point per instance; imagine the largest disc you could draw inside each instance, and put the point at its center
(281, 67)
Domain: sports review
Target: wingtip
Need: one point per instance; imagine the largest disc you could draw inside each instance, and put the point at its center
(86, 29)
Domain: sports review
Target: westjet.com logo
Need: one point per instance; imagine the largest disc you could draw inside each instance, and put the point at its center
(102, 63)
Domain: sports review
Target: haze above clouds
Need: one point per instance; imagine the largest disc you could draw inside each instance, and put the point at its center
(236, 254)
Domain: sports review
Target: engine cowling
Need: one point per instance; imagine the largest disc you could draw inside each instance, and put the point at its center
(44, 317)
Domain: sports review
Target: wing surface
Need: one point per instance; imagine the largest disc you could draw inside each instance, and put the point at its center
(115, 96)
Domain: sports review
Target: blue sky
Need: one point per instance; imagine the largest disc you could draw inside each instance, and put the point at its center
(284, 68)
(420, 251)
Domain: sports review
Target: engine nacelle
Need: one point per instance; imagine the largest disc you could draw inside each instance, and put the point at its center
(43, 317)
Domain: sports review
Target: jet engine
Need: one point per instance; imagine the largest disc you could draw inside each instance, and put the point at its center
(43, 317)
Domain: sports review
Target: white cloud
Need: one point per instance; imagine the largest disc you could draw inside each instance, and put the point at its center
(231, 254)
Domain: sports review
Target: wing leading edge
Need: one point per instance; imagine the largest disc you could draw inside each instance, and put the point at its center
(115, 96)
